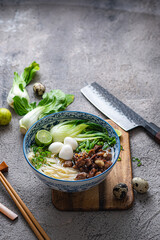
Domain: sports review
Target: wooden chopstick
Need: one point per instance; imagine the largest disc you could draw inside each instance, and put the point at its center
(6, 211)
(33, 223)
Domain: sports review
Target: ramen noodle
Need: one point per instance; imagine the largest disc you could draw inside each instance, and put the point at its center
(53, 166)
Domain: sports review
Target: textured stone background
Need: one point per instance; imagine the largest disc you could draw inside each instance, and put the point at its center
(117, 44)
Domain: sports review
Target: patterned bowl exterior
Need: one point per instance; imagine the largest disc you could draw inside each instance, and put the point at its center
(53, 119)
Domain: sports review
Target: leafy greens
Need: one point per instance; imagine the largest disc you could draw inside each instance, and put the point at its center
(52, 102)
(20, 82)
(81, 130)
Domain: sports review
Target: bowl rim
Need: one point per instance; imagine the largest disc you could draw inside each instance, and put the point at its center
(69, 181)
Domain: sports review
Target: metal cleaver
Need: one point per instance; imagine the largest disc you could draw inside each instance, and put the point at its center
(114, 109)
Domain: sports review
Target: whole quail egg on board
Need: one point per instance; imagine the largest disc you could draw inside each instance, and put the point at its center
(140, 184)
(120, 191)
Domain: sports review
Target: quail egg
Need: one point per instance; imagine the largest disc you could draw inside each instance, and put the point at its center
(39, 89)
(120, 191)
(140, 184)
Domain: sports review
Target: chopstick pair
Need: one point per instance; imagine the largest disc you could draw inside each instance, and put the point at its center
(33, 223)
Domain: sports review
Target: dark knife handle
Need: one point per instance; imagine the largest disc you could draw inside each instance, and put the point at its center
(153, 131)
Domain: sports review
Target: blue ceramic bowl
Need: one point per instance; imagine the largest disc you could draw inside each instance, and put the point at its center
(64, 185)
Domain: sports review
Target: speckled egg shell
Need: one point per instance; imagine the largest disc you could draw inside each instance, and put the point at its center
(140, 184)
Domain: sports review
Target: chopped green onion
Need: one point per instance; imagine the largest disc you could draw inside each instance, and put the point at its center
(134, 159)
(139, 164)
(121, 148)
(41, 153)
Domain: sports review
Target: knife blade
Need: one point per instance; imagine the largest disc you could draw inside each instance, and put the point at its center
(116, 110)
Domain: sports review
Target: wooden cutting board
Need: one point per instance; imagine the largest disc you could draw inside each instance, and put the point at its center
(101, 197)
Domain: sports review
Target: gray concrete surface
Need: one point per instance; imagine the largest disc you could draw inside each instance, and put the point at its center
(117, 44)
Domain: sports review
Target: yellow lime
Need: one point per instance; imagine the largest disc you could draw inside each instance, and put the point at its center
(118, 132)
(5, 116)
(43, 138)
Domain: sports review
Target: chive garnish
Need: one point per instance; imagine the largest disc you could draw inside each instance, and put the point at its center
(41, 153)
(121, 148)
(134, 159)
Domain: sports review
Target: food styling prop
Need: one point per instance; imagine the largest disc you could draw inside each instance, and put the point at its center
(117, 111)
(120, 191)
(39, 88)
(140, 185)
(35, 226)
(5, 116)
(47, 123)
(101, 196)
(6, 211)
(20, 82)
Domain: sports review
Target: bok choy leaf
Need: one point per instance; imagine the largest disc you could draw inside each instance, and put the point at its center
(79, 129)
(20, 82)
(22, 106)
(52, 102)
